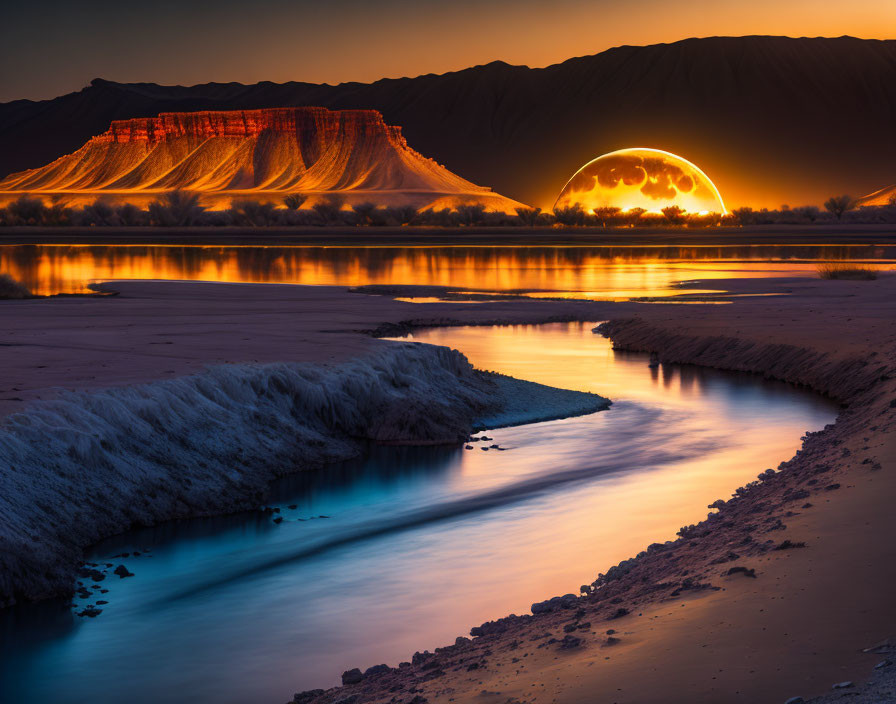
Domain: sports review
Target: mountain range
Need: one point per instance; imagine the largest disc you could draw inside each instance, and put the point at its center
(769, 119)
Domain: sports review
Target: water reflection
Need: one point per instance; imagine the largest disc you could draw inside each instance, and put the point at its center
(598, 272)
(236, 609)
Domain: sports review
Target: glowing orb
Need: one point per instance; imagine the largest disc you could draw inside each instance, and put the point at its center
(641, 178)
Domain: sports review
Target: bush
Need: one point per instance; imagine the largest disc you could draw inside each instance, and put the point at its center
(529, 217)
(251, 213)
(329, 210)
(98, 213)
(846, 271)
(10, 289)
(176, 209)
(570, 215)
(27, 211)
(294, 201)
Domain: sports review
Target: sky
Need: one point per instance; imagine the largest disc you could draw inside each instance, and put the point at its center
(52, 47)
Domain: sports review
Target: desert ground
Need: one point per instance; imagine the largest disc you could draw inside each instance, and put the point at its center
(672, 625)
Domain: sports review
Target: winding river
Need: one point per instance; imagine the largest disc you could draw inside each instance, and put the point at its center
(398, 550)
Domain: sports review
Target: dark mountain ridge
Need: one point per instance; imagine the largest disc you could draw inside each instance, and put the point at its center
(770, 119)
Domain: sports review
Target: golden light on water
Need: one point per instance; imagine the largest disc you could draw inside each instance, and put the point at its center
(641, 177)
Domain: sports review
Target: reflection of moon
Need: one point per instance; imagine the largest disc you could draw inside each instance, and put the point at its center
(641, 178)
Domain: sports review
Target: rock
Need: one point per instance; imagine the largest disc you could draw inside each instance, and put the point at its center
(90, 612)
(307, 696)
(611, 640)
(462, 641)
(832, 487)
(352, 676)
(795, 700)
(745, 571)
(101, 602)
(558, 602)
(376, 670)
(570, 642)
(882, 664)
(468, 447)
(611, 631)
(842, 685)
(278, 519)
(292, 507)
(123, 572)
(620, 612)
(569, 628)
(789, 545)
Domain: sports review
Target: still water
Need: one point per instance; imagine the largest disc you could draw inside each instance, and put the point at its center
(384, 555)
(607, 273)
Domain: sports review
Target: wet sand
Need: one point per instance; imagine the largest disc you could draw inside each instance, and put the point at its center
(794, 629)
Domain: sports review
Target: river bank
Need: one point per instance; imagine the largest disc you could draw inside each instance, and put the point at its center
(99, 438)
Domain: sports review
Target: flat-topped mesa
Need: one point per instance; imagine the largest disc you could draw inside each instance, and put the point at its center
(260, 154)
(247, 123)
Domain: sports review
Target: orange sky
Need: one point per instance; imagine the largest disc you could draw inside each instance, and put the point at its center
(54, 47)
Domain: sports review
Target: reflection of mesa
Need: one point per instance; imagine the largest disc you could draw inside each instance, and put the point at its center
(639, 177)
(254, 152)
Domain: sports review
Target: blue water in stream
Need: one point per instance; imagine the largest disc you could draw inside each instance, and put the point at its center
(406, 548)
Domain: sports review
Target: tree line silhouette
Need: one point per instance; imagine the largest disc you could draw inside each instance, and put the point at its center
(184, 209)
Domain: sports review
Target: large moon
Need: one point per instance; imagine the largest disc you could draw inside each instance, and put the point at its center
(641, 178)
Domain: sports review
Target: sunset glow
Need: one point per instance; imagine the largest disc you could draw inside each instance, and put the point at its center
(641, 177)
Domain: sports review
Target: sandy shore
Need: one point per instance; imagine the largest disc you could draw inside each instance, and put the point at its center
(688, 634)
(456, 236)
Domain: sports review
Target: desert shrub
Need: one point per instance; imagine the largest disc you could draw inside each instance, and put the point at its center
(673, 215)
(365, 213)
(27, 211)
(837, 205)
(570, 215)
(608, 216)
(329, 210)
(251, 213)
(98, 213)
(470, 214)
(529, 217)
(294, 201)
(703, 219)
(402, 214)
(10, 289)
(438, 218)
(809, 213)
(176, 209)
(847, 271)
(131, 216)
